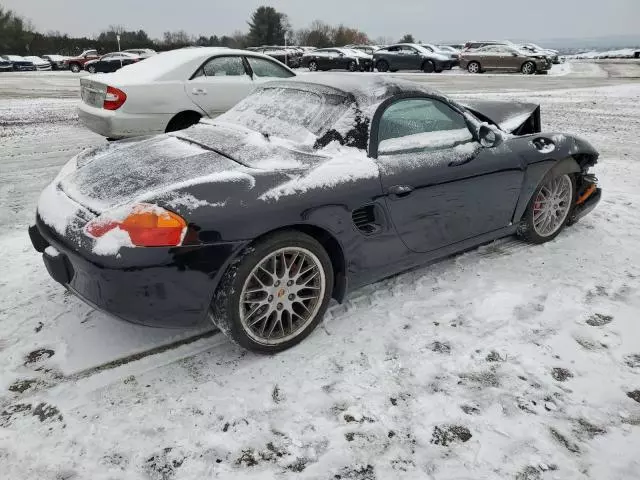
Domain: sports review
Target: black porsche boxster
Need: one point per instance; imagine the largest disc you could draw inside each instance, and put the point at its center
(304, 191)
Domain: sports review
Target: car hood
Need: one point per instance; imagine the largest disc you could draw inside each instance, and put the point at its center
(138, 170)
(512, 117)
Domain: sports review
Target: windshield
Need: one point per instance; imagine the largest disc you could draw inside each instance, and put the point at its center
(297, 115)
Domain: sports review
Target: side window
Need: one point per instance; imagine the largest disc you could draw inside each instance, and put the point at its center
(267, 68)
(224, 67)
(420, 124)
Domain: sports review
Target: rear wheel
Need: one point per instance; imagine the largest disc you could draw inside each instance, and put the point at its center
(528, 68)
(549, 208)
(74, 67)
(428, 67)
(382, 66)
(275, 294)
(313, 66)
(473, 67)
(182, 120)
(353, 66)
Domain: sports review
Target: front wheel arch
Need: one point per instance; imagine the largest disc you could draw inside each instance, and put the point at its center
(535, 174)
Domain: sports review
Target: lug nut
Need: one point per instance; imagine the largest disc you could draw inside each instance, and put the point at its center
(292, 296)
(277, 284)
(270, 298)
(289, 283)
(279, 306)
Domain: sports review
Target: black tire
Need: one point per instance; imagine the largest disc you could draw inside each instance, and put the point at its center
(225, 306)
(313, 66)
(353, 66)
(91, 69)
(527, 230)
(75, 68)
(528, 68)
(428, 67)
(474, 67)
(182, 120)
(382, 66)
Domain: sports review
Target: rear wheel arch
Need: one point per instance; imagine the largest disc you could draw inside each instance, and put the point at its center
(183, 120)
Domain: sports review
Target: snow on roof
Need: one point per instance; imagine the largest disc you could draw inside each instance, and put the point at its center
(367, 89)
(177, 64)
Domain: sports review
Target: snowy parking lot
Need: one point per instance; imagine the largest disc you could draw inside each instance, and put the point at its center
(509, 361)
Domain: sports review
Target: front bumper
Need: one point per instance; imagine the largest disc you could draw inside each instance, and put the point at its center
(586, 207)
(160, 287)
(24, 68)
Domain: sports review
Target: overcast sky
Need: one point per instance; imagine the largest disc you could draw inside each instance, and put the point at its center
(427, 20)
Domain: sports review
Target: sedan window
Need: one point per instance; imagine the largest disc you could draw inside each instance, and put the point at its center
(224, 66)
(420, 123)
(266, 68)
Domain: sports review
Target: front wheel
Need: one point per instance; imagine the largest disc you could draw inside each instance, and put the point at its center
(91, 69)
(313, 67)
(549, 209)
(353, 66)
(275, 294)
(528, 68)
(428, 67)
(382, 66)
(75, 68)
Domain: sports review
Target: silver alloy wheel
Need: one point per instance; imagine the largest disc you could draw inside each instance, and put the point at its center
(282, 295)
(91, 69)
(528, 68)
(551, 206)
(313, 66)
(473, 67)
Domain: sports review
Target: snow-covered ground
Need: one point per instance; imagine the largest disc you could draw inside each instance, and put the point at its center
(510, 361)
(621, 53)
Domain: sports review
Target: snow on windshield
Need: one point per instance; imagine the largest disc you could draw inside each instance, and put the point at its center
(287, 113)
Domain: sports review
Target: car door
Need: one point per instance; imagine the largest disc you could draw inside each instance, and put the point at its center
(219, 84)
(441, 186)
(102, 64)
(116, 61)
(264, 70)
(331, 60)
(412, 58)
(393, 57)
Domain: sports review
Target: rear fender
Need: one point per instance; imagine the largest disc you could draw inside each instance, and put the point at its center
(534, 175)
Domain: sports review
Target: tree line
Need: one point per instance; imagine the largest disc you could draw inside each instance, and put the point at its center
(266, 26)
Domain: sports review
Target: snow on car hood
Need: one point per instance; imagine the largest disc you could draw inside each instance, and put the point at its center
(509, 116)
(124, 172)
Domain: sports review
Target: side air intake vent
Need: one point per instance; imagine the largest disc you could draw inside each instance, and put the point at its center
(364, 218)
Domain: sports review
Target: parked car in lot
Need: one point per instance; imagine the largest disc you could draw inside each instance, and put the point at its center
(20, 64)
(337, 59)
(304, 191)
(76, 64)
(290, 56)
(57, 61)
(173, 90)
(111, 62)
(141, 52)
(6, 65)
(552, 55)
(368, 49)
(40, 64)
(474, 45)
(503, 58)
(410, 56)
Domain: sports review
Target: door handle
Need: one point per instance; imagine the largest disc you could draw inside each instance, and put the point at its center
(199, 91)
(457, 163)
(400, 190)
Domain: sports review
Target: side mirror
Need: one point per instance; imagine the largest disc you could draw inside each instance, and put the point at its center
(489, 137)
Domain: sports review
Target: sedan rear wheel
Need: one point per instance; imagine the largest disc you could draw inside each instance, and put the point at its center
(75, 68)
(549, 209)
(353, 66)
(528, 68)
(473, 67)
(276, 294)
(428, 67)
(313, 66)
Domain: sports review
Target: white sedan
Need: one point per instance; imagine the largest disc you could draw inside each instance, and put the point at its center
(173, 90)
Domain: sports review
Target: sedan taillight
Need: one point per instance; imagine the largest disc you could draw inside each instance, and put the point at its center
(114, 99)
